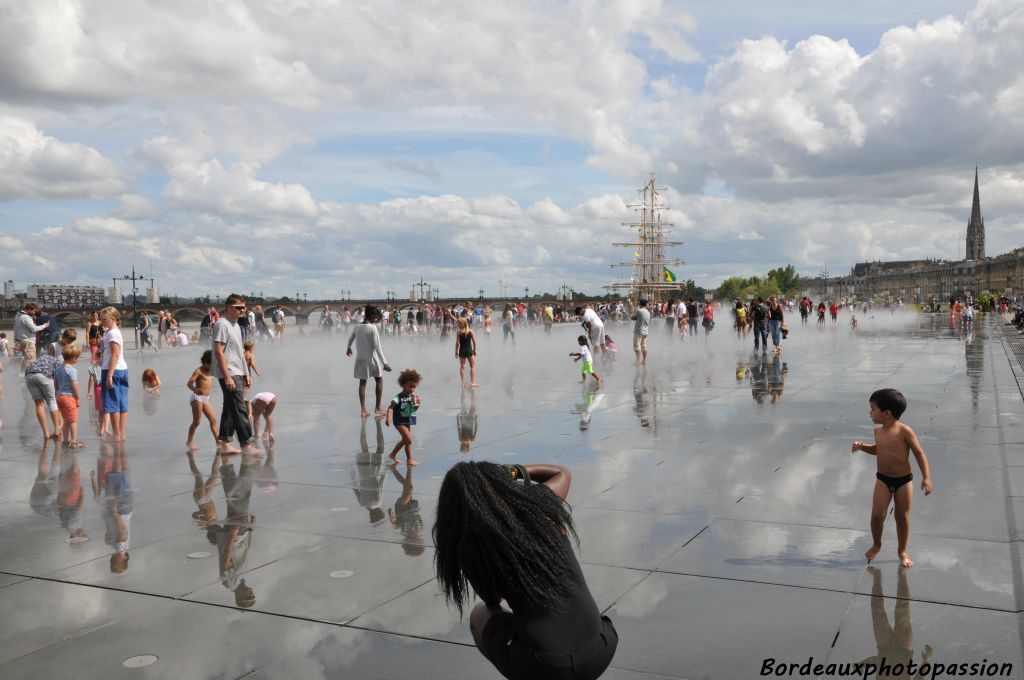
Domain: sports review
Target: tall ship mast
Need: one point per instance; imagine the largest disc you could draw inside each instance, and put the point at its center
(654, 276)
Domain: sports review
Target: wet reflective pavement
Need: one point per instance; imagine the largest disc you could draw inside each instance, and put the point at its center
(722, 517)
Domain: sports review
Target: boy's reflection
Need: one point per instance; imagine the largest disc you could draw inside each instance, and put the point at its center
(406, 515)
(467, 421)
(895, 643)
(369, 474)
(205, 515)
(70, 498)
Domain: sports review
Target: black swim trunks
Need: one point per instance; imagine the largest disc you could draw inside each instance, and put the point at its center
(894, 483)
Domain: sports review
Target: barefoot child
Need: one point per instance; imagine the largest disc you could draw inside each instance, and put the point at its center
(94, 391)
(68, 396)
(150, 381)
(893, 443)
(402, 410)
(200, 385)
(588, 360)
(249, 346)
(263, 404)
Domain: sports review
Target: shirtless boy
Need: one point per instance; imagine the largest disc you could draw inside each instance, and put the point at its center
(200, 384)
(893, 443)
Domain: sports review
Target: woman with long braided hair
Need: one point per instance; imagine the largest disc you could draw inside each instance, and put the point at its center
(503, 530)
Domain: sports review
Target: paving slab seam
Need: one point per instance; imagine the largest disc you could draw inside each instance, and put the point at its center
(628, 590)
(1011, 522)
(255, 612)
(370, 629)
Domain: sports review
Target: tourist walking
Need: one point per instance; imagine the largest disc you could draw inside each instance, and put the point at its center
(25, 329)
(682, 319)
(709, 319)
(776, 319)
(692, 317)
(144, 332)
(370, 361)
(508, 324)
(163, 324)
(641, 327)
(759, 317)
(278, 318)
(230, 370)
(261, 324)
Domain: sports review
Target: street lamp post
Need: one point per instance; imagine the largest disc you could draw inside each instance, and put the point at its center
(421, 285)
(135, 301)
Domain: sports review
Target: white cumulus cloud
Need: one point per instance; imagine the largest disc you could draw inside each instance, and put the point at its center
(35, 165)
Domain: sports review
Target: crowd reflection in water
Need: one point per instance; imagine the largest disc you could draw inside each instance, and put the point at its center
(57, 489)
(767, 377)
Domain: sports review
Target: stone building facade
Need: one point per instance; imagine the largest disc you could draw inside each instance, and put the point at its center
(928, 280)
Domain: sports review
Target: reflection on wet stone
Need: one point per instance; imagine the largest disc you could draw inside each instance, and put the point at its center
(721, 514)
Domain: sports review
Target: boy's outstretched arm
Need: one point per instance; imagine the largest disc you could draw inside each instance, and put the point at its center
(866, 448)
(922, 460)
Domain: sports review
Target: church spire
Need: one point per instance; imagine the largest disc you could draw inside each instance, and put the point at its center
(976, 207)
(976, 227)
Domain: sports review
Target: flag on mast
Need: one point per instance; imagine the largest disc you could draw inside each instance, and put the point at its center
(667, 275)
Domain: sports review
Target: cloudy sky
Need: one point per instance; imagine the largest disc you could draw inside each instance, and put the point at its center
(325, 145)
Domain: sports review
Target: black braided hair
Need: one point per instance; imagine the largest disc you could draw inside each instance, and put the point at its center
(503, 538)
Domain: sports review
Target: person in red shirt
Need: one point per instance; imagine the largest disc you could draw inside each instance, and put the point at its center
(834, 311)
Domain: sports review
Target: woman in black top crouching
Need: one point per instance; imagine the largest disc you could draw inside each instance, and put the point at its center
(504, 532)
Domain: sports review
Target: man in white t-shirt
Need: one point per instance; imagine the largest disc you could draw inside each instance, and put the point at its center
(596, 332)
(278, 318)
(231, 370)
(641, 328)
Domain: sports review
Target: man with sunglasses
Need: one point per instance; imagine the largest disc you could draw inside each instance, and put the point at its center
(231, 370)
